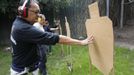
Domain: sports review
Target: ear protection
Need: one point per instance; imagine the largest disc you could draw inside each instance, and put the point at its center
(23, 10)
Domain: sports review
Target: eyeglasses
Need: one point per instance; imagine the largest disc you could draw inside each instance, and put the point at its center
(36, 12)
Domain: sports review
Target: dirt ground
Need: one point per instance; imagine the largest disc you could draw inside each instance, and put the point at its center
(124, 37)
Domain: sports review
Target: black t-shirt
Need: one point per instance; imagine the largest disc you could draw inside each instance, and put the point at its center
(24, 38)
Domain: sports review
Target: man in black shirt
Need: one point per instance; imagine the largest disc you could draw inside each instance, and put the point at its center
(25, 37)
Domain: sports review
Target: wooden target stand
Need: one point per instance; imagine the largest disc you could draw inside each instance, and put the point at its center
(101, 50)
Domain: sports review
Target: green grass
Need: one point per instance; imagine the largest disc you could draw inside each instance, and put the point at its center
(57, 64)
(124, 61)
(5, 59)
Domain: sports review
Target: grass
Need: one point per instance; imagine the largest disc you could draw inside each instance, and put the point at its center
(5, 59)
(57, 64)
(124, 61)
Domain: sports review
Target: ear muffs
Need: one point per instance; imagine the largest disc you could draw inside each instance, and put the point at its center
(23, 10)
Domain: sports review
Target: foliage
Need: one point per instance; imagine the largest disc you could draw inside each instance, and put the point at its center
(8, 6)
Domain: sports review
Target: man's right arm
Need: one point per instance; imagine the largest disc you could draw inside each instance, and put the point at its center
(71, 41)
(33, 35)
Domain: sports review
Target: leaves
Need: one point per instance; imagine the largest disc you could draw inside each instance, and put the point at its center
(7, 6)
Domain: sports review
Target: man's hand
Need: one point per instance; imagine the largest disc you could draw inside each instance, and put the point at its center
(88, 40)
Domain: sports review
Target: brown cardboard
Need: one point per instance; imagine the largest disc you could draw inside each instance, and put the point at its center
(101, 51)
